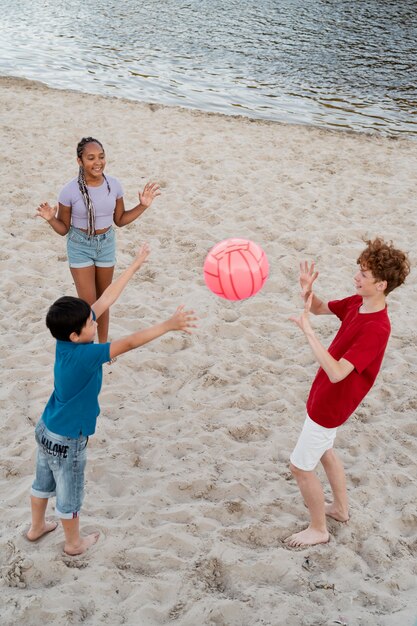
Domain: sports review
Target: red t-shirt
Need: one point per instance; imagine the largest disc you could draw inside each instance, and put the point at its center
(361, 340)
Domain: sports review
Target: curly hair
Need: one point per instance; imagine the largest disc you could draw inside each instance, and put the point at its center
(385, 262)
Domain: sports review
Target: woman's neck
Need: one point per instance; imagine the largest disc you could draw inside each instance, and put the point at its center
(94, 181)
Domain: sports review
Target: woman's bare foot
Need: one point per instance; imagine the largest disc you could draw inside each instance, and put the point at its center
(82, 546)
(337, 514)
(33, 534)
(307, 537)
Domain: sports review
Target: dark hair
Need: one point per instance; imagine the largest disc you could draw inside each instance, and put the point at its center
(83, 142)
(385, 262)
(91, 226)
(67, 315)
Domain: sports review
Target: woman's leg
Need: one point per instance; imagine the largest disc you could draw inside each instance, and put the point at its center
(103, 278)
(90, 282)
(85, 282)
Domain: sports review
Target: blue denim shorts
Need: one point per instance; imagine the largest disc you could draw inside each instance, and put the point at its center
(84, 251)
(60, 466)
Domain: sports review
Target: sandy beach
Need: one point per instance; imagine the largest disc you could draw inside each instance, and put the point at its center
(188, 478)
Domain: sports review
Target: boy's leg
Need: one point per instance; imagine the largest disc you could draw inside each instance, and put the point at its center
(312, 444)
(70, 495)
(43, 488)
(313, 495)
(74, 543)
(335, 472)
(39, 526)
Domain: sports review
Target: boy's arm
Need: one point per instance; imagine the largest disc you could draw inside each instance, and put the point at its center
(113, 291)
(181, 320)
(318, 307)
(335, 370)
(307, 278)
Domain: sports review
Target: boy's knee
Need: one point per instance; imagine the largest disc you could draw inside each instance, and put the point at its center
(328, 456)
(295, 471)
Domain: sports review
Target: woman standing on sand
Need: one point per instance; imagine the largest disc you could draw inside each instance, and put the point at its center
(87, 207)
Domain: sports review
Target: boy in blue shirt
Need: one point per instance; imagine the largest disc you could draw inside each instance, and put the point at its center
(71, 413)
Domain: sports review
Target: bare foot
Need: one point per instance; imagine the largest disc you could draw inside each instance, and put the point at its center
(84, 544)
(335, 513)
(33, 534)
(307, 537)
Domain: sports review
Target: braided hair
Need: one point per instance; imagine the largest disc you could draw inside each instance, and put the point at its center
(91, 226)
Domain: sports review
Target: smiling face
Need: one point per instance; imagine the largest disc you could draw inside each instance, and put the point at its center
(366, 285)
(93, 161)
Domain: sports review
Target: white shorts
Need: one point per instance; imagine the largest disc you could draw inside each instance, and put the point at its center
(313, 442)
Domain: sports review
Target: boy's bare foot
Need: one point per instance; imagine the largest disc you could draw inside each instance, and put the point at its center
(82, 546)
(307, 537)
(33, 534)
(337, 514)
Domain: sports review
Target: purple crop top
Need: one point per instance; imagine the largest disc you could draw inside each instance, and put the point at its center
(104, 202)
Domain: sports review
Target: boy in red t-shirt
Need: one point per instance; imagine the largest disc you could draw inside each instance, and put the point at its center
(347, 372)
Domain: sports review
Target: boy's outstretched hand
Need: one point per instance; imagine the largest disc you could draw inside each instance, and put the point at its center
(307, 278)
(182, 320)
(149, 193)
(142, 255)
(303, 321)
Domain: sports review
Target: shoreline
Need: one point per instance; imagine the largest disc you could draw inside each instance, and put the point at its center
(384, 135)
(187, 478)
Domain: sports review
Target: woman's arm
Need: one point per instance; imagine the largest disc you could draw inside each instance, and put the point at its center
(122, 217)
(59, 220)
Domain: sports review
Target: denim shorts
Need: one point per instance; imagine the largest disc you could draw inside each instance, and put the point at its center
(85, 251)
(60, 466)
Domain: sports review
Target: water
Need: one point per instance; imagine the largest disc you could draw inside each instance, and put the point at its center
(330, 63)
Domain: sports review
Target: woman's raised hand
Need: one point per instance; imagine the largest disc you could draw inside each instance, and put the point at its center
(45, 211)
(149, 193)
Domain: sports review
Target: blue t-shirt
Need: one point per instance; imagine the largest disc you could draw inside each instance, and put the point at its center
(73, 407)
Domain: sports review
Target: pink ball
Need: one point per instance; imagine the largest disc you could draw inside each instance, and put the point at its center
(235, 269)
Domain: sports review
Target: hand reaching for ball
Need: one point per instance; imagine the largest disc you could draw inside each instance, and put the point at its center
(182, 320)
